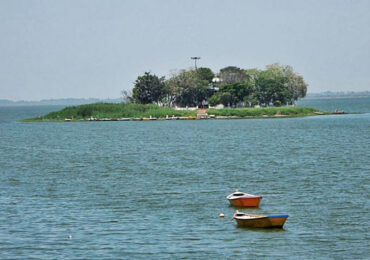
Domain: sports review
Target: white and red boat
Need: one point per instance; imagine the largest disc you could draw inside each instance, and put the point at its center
(241, 199)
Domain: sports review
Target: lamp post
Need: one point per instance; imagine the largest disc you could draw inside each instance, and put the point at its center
(195, 61)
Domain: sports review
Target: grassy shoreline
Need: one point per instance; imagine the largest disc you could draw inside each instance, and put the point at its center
(266, 112)
(115, 112)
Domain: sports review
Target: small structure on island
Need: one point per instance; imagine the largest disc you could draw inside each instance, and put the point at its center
(216, 84)
(202, 113)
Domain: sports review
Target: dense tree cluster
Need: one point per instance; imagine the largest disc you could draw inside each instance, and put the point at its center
(148, 89)
(275, 85)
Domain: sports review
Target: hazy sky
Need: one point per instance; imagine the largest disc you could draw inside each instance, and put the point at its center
(82, 49)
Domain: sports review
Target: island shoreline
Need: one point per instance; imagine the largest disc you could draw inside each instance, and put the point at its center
(140, 112)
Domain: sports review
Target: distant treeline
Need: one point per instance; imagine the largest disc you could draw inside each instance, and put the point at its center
(339, 94)
(61, 101)
(231, 86)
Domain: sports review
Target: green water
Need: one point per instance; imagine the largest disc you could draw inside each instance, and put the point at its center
(153, 190)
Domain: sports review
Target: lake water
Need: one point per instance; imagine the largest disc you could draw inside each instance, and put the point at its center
(153, 190)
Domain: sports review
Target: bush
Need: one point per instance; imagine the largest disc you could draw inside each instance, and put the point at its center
(259, 112)
(112, 110)
(214, 100)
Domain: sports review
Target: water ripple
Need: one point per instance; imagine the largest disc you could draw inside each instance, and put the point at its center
(154, 190)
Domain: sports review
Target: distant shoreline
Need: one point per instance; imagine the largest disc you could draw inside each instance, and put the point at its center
(332, 97)
(329, 94)
(57, 102)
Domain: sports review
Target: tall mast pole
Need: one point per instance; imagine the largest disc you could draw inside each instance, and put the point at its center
(195, 61)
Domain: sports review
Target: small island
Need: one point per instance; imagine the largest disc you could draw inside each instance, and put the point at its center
(149, 112)
(201, 94)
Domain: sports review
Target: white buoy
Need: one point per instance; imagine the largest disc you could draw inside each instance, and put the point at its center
(69, 237)
(221, 215)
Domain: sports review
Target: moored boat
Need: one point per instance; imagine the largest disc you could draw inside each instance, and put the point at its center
(241, 199)
(259, 221)
(338, 112)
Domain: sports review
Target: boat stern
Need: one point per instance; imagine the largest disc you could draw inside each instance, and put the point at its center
(278, 220)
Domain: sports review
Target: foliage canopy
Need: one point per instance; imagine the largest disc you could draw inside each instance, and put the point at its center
(148, 89)
(276, 85)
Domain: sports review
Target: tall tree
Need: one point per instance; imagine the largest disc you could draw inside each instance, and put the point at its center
(186, 88)
(231, 74)
(252, 74)
(149, 88)
(215, 99)
(294, 82)
(271, 87)
(226, 99)
(238, 91)
(205, 74)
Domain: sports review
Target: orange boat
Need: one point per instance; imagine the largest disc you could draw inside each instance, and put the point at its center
(259, 221)
(241, 199)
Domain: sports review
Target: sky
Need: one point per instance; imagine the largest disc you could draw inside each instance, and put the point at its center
(96, 49)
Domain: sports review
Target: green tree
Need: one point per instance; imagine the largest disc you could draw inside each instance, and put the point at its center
(231, 74)
(251, 100)
(205, 74)
(186, 88)
(238, 91)
(214, 100)
(226, 99)
(149, 88)
(296, 85)
(252, 74)
(272, 86)
(294, 82)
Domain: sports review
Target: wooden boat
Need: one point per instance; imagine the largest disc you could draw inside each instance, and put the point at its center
(259, 221)
(241, 199)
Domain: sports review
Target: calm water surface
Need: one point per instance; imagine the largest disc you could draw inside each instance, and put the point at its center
(153, 190)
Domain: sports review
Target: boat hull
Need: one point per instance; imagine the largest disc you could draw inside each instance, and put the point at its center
(278, 221)
(262, 222)
(245, 202)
